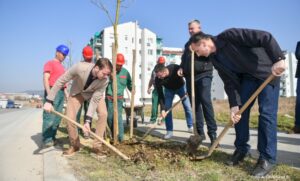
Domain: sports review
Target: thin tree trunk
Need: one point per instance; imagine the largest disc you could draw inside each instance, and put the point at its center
(132, 93)
(115, 88)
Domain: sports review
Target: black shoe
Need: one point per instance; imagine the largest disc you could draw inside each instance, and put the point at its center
(213, 139)
(202, 137)
(262, 168)
(236, 158)
(296, 129)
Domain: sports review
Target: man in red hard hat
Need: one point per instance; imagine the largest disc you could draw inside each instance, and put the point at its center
(154, 109)
(87, 54)
(123, 82)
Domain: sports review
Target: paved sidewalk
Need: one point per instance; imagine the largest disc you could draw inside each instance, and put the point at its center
(56, 166)
(21, 156)
(288, 144)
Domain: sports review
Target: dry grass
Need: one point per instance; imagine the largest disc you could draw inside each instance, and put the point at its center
(158, 159)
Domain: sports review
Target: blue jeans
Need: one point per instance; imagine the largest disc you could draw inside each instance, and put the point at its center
(297, 108)
(169, 96)
(203, 105)
(267, 120)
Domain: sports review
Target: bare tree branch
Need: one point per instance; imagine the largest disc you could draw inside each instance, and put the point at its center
(100, 5)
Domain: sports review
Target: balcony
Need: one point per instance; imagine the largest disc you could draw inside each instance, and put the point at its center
(98, 43)
(159, 43)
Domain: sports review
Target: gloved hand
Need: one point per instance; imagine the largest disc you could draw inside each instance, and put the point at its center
(278, 68)
(233, 116)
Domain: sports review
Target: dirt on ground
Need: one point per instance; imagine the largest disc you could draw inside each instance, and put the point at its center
(157, 159)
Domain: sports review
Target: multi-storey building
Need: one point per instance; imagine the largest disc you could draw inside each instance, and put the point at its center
(149, 47)
(288, 81)
(131, 37)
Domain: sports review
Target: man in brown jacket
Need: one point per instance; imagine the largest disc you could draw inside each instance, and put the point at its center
(89, 83)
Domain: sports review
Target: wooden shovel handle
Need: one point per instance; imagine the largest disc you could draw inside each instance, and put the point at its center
(114, 149)
(160, 118)
(243, 108)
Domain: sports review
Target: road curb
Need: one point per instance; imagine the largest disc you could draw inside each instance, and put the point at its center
(56, 166)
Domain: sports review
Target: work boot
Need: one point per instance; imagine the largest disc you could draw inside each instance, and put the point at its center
(169, 135)
(71, 151)
(236, 158)
(262, 168)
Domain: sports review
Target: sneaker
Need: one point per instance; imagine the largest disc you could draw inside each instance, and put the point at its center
(48, 144)
(191, 129)
(169, 135)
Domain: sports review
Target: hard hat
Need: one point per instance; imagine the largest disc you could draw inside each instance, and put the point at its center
(161, 60)
(87, 53)
(120, 59)
(63, 49)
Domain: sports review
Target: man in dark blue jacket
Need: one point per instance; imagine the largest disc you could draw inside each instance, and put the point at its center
(203, 79)
(244, 58)
(297, 108)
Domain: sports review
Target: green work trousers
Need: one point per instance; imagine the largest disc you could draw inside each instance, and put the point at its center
(52, 121)
(154, 109)
(110, 117)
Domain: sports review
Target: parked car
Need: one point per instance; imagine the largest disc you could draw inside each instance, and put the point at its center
(18, 105)
(10, 104)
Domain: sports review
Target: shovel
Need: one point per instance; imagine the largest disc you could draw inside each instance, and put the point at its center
(230, 124)
(114, 149)
(160, 118)
(195, 140)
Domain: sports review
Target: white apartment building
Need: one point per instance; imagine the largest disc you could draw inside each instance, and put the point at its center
(217, 87)
(288, 81)
(172, 55)
(132, 37)
(149, 47)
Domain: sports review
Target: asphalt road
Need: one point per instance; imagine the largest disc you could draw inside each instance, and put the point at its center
(19, 139)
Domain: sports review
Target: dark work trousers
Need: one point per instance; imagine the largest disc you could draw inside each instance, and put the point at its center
(203, 104)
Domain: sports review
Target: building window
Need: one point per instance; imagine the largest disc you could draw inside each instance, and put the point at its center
(150, 52)
(132, 40)
(140, 41)
(140, 52)
(126, 37)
